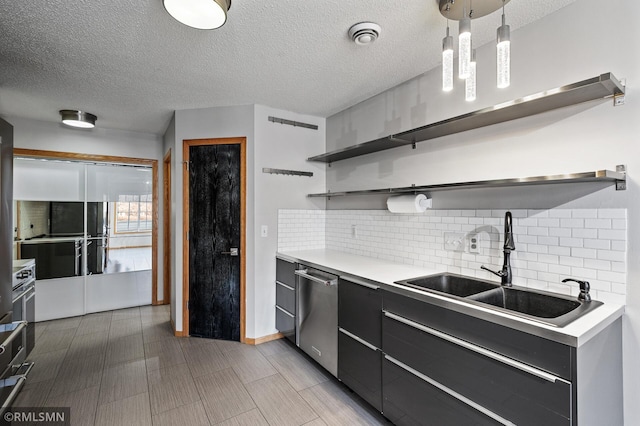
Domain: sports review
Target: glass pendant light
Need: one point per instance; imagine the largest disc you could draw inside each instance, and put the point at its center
(470, 82)
(503, 54)
(447, 61)
(464, 46)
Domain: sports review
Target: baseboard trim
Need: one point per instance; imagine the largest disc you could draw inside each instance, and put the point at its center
(263, 339)
(176, 332)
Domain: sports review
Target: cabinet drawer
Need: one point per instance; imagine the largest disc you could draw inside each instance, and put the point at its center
(513, 390)
(360, 368)
(409, 399)
(285, 322)
(285, 272)
(286, 297)
(547, 355)
(360, 310)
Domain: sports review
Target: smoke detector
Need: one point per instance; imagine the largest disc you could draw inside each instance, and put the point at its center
(364, 33)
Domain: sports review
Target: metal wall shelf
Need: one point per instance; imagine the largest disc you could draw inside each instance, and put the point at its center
(600, 87)
(619, 178)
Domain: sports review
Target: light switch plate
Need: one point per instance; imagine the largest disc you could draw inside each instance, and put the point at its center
(264, 231)
(453, 241)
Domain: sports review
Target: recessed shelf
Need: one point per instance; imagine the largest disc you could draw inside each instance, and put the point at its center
(617, 177)
(601, 87)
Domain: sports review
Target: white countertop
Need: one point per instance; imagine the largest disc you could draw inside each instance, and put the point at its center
(383, 271)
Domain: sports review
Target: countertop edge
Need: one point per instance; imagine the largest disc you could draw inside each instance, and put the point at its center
(574, 334)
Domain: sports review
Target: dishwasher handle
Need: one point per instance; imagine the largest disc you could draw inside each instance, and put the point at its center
(305, 274)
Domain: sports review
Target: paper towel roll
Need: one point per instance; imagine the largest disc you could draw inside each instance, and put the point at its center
(408, 203)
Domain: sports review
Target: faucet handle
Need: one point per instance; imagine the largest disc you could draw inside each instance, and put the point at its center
(498, 273)
(584, 289)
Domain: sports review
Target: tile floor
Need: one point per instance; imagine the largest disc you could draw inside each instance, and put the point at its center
(126, 368)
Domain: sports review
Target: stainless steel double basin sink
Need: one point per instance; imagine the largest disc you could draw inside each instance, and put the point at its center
(548, 308)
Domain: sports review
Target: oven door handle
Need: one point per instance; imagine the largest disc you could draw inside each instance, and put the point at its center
(20, 295)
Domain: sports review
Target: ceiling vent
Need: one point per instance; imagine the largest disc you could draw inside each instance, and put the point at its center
(364, 33)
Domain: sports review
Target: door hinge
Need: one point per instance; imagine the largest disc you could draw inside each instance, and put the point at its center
(186, 163)
(187, 235)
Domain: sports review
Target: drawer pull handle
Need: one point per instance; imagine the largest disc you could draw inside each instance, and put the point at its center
(352, 280)
(450, 392)
(489, 354)
(285, 286)
(357, 339)
(283, 311)
(17, 382)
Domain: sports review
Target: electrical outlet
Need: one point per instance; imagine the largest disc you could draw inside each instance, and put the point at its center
(453, 241)
(264, 231)
(354, 231)
(474, 244)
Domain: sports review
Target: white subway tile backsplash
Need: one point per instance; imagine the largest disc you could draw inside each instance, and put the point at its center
(584, 253)
(612, 234)
(584, 213)
(550, 244)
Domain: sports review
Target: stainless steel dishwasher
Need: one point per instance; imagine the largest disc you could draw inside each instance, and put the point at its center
(317, 316)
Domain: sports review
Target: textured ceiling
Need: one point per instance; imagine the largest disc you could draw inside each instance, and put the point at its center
(132, 65)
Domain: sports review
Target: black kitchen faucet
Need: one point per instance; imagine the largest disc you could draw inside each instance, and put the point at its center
(509, 245)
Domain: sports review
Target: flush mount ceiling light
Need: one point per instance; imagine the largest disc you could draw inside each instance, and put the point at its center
(364, 33)
(75, 118)
(464, 11)
(199, 14)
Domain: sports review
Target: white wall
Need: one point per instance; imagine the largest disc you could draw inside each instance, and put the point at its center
(268, 145)
(580, 41)
(280, 146)
(210, 123)
(168, 142)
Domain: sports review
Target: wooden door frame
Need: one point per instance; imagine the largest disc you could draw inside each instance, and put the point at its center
(186, 144)
(166, 229)
(38, 153)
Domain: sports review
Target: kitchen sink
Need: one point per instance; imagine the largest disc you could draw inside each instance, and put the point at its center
(527, 302)
(548, 308)
(540, 306)
(456, 285)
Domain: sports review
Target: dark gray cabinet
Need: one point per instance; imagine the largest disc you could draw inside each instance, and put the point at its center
(359, 339)
(412, 399)
(286, 298)
(421, 361)
(518, 392)
(467, 358)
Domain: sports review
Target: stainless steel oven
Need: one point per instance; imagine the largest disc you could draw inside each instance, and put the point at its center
(23, 298)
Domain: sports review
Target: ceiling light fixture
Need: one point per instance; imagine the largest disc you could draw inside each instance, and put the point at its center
(470, 82)
(464, 46)
(80, 119)
(364, 33)
(463, 12)
(447, 61)
(503, 56)
(199, 14)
